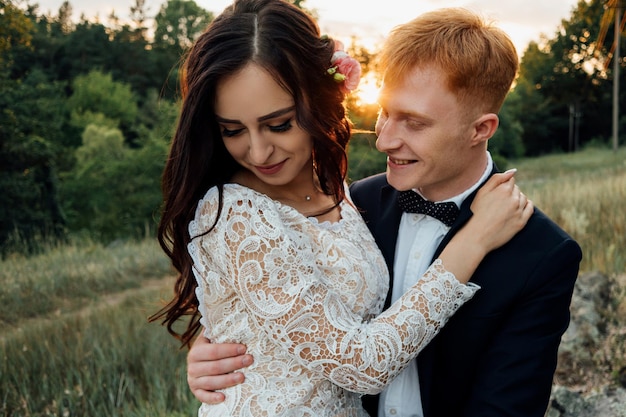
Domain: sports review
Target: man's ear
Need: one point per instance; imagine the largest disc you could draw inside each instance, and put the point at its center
(485, 127)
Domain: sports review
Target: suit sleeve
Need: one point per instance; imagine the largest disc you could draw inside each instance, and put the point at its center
(515, 376)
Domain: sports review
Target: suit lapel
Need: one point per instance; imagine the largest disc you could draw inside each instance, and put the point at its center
(427, 358)
(387, 226)
(464, 215)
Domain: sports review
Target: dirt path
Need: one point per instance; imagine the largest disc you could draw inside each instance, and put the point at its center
(110, 300)
(102, 302)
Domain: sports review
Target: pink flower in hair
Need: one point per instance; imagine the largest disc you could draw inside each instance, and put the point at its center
(344, 69)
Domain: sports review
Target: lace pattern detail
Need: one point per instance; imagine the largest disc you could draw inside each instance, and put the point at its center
(306, 299)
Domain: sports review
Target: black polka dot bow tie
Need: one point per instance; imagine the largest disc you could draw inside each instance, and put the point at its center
(411, 202)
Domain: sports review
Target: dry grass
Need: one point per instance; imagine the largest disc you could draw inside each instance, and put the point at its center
(585, 194)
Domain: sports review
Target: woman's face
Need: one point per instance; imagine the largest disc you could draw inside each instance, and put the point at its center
(257, 119)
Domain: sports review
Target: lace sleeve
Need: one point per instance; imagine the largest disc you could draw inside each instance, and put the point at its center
(274, 272)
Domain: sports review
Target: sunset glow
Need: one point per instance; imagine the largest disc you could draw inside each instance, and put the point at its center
(367, 92)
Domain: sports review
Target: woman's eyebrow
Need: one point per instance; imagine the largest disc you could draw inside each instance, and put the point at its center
(269, 116)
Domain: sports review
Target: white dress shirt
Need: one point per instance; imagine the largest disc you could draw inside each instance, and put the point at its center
(418, 238)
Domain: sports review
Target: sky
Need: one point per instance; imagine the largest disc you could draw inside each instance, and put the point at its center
(523, 20)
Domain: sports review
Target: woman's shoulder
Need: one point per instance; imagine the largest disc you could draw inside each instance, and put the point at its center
(243, 213)
(234, 196)
(234, 200)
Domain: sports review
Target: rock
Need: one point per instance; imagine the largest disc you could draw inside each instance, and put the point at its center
(591, 295)
(567, 402)
(581, 388)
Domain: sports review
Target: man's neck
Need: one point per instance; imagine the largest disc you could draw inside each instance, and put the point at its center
(471, 179)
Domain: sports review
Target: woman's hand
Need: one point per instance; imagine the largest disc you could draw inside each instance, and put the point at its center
(212, 366)
(500, 211)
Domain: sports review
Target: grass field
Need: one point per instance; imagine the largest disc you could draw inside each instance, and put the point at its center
(585, 193)
(74, 336)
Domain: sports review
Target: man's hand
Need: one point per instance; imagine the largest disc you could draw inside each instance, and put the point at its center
(212, 366)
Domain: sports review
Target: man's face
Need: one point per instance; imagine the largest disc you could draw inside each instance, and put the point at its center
(427, 136)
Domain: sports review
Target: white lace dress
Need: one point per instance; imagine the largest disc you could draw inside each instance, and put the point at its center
(305, 297)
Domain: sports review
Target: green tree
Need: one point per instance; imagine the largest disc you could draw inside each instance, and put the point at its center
(114, 191)
(32, 131)
(131, 60)
(177, 24)
(537, 113)
(507, 141)
(564, 88)
(48, 37)
(363, 157)
(96, 95)
(15, 31)
(86, 48)
(34, 135)
(87, 190)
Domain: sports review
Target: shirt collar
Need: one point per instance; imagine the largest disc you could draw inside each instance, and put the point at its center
(459, 198)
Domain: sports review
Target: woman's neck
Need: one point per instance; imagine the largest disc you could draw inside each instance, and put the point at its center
(305, 196)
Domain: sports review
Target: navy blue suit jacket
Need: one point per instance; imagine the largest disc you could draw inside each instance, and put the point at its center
(497, 355)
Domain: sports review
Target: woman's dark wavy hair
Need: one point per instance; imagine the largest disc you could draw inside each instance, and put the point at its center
(286, 42)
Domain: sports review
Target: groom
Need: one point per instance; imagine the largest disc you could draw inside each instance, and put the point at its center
(446, 74)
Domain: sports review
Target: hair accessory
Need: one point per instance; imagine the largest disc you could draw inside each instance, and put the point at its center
(344, 69)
